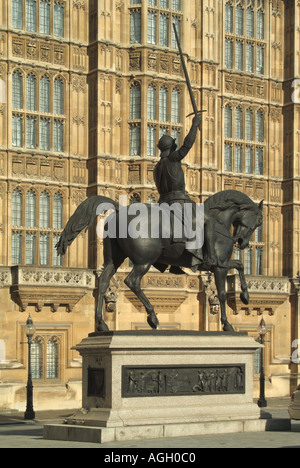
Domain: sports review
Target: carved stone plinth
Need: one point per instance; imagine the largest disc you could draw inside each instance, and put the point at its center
(155, 384)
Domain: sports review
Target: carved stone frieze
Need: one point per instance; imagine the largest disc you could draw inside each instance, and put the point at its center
(186, 380)
(245, 86)
(38, 168)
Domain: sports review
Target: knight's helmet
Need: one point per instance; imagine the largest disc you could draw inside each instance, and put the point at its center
(165, 145)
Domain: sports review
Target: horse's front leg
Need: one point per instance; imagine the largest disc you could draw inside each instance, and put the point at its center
(220, 279)
(237, 264)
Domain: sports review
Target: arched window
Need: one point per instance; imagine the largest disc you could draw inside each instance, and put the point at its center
(248, 261)
(58, 136)
(17, 208)
(151, 103)
(17, 14)
(45, 94)
(30, 132)
(58, 97)
(16, 244)
(44, 210)
(239, 55)
(17, 131)
(151, 140)
(44, 16)
(30, 209)
(259, 162)
(45, 134)
(228, 157)
(52, 370)
(31, 92)
(249, 57)
(30, 249)
(177, 22)
(228, 53)
(239, 20)
(175, 113)
(37, 358)
(249, 160)
(239, 123)
(57, 211)
(260, 126)
(44, 249)
(135, 140)
(164, 30)
(238, 158)
(249, 125)
(228, 18)
(59, 16)
(135, 27)
(135, 102)
(16, 248)
(31, 15)
(152, 28)
(250, 22)
(176, 5)
(163, 104)
(17, 90)
(260, 25)
(45, 358)
(228, 122)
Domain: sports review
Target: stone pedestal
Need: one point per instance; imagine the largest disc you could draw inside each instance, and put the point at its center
(156, 384)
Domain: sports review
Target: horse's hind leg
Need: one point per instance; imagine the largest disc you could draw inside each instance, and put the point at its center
(220, 278)
(133, 281)
(113, 260)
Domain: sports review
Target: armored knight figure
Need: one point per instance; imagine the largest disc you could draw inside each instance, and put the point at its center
(170, 182)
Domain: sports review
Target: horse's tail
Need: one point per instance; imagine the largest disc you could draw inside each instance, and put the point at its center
(83, 218)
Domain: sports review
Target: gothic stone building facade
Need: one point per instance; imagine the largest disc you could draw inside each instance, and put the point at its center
(86, 89)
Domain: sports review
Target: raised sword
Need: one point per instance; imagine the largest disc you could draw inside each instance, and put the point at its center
(187, 78)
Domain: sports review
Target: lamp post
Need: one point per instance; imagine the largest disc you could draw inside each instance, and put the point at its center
(262, 402)
(30, 331)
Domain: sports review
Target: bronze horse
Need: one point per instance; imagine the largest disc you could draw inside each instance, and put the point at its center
(235, 215)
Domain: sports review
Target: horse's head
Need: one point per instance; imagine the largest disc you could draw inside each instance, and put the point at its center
(247, 220)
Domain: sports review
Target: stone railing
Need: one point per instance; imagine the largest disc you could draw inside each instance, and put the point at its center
(56, 287)
(266, 293)
(66, 277)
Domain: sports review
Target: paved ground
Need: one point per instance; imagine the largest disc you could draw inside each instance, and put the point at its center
(16, 433)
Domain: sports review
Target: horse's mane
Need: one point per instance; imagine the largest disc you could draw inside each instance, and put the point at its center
(223, 200)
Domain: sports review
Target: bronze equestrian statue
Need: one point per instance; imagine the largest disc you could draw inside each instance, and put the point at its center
(228, 208)
(229, 218)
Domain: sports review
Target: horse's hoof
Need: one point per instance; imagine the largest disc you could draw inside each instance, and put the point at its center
(245, 298)
(153, 321)
(228, 328)
(102, 327)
